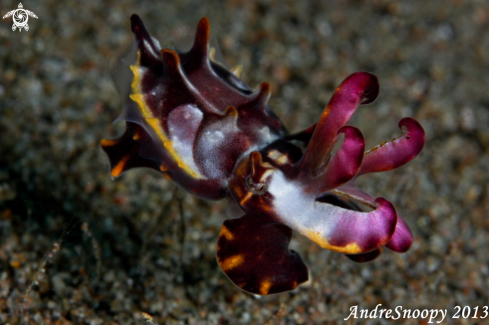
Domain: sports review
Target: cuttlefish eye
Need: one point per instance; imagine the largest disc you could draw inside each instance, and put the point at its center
(260, 174)
(256, 188)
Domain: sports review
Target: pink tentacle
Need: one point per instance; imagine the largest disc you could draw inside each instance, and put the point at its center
(347, 231)
(346, 162)
(358, 88)
(402, 239)
(397, 152)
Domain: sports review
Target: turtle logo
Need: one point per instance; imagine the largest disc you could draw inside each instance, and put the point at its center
(20, 16)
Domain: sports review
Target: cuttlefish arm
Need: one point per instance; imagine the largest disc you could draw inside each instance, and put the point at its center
(253, 253)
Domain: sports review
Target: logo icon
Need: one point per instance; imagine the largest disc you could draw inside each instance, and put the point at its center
(20, 16)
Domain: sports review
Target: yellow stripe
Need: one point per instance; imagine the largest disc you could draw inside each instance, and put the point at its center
(316, 237)
(226, 233)
(265, 286)
(231, 262)
(138, 97)
(119, 168)
(248, 196)
(108, 143)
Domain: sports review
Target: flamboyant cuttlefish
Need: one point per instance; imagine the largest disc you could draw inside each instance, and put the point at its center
(196, 122)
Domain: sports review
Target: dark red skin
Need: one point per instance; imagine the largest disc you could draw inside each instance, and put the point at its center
(202, 127)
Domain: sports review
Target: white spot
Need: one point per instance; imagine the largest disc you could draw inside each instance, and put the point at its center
(274, 154)
(278, 157)
(183, 123)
